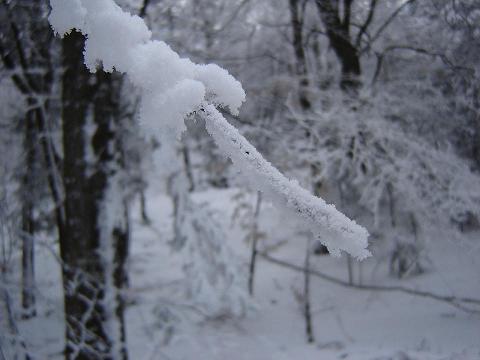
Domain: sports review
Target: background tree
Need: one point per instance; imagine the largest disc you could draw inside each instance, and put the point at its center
(25, 52)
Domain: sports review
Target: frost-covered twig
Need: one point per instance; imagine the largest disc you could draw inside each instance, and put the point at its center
(333, 228)
(173, 87)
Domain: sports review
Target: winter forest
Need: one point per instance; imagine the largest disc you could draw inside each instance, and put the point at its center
(240, 179)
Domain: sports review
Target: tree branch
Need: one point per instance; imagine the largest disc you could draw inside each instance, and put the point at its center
(419, 50)
(143, 9)
(458, 302)
(386, 24)
(366, 24)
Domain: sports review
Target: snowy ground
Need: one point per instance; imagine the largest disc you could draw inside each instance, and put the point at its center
(348, 324)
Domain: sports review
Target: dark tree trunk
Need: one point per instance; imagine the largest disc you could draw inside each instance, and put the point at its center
(306, 296)
(95, 243)
(91, 273)
(300, 58)
(143, 10)
(338, 32)
(188, 167)
(28, 221)
(254, 237)
(143, 207)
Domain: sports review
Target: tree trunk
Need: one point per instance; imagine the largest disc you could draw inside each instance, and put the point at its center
(306, 296)
(95, 243)
(300, 58)
(28, 221)
(338, 33)
(143, 207)
(254, 237)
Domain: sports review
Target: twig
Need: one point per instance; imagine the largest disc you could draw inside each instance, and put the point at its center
(386, 24)
(366, 24)
(458, 302)
(143, 9)
(381, 55)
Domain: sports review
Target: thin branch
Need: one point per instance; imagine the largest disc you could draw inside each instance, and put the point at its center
(232, 17)
(254, 236)
(443, 57)
(378, 67)
(366, 24)
(458, 302)
(306, 295)
(386, 24)
(143, 9)
(9, 64)
(419, 50)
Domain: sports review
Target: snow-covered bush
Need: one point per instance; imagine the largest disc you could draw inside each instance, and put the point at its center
(405, 188)
(217, 281)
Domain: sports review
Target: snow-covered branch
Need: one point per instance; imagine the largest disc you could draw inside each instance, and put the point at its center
(333, 228)
(173, 87)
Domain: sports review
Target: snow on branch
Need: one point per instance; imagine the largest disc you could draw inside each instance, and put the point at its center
(173, 87)
(333, 228)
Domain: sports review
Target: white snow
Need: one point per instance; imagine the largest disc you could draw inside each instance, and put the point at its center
(222, 89)
(169, 108)
(348, 324)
